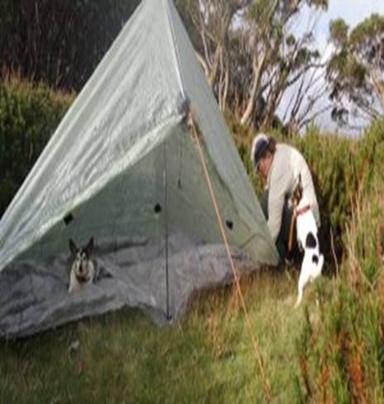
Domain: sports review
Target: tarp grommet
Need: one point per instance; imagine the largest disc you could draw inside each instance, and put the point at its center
(229, 224)
(68, 219)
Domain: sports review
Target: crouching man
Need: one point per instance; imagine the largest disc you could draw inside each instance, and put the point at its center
(280, 167)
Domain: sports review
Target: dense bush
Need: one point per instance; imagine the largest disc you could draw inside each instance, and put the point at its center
(333, 165)
(29, 114)
(342, 169)
(341, 352)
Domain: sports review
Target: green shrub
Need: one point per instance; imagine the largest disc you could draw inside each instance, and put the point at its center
(29, 114)
(344, 348)
(333, 169)
(343, 169)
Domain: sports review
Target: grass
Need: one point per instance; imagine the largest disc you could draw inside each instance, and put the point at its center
(208, 357)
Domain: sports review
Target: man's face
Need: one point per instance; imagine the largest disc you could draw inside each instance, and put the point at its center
(264, 165)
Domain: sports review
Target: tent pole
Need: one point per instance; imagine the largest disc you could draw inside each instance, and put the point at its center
(165, 183)
(196, 135)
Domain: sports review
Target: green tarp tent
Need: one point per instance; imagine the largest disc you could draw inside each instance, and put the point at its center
(123, 167)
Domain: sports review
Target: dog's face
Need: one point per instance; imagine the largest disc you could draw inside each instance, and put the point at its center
(82, 264)
(297, 193)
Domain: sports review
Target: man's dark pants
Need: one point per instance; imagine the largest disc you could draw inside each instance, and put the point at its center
(283, 237)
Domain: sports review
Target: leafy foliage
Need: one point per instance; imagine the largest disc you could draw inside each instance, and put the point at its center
(29, 115)
(344, 347)
(356, 69)
(251, 57)
(342, 168)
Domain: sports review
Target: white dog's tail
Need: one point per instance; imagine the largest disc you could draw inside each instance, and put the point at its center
(299, 297)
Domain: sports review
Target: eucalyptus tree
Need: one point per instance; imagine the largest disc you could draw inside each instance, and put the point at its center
(210, 25)
(356, 69)
(280, 59)
(252, 56)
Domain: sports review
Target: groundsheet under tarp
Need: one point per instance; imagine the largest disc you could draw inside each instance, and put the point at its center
(132, 272)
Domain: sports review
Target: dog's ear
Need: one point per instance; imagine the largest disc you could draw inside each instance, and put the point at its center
(300, 181)
(89, 247)
(72, 247)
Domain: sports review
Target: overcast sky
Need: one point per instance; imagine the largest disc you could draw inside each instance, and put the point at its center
(352, 11)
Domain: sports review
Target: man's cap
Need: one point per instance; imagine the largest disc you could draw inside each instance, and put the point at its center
(259, 146)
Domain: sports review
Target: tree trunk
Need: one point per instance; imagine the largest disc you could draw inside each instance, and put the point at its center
(246, 118)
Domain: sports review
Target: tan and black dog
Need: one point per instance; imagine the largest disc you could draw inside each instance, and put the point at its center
(83, 269)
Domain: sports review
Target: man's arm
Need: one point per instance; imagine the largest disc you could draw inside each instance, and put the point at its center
(278, 188)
